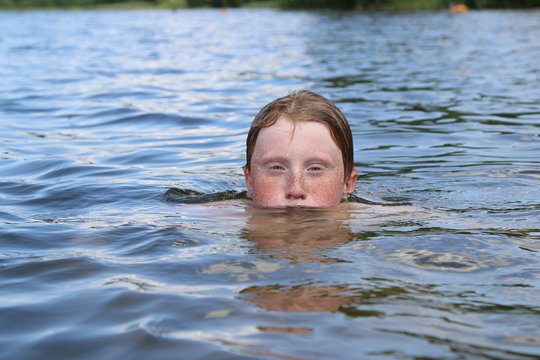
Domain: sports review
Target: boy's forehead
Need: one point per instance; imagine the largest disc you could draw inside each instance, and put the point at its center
(283, 124)
(311, 135)
(284, 128)
(288, 126)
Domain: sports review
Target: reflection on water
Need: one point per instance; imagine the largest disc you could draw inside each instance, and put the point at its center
(124, 225)
(297, 234)
(301, 298)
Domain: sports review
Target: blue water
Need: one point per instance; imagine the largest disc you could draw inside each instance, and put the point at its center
(120, 129)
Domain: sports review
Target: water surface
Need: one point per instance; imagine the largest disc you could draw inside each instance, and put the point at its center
(119, 127)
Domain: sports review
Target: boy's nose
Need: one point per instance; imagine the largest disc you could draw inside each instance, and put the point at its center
(295, 189)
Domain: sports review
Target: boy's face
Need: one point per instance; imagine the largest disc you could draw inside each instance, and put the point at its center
(297, 165)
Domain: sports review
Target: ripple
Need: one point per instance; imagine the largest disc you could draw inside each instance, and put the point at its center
(188, 196)
(152, 121)
(429, 260)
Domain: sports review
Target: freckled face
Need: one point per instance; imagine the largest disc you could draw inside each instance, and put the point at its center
(297, 165)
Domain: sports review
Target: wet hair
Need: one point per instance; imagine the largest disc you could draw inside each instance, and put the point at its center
(305, 105)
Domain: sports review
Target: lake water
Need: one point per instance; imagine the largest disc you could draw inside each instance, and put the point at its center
(118, 129)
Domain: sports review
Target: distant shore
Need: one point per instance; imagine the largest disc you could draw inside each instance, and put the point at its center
(23, 5)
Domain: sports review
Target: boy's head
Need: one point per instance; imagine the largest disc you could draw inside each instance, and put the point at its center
(299, 153)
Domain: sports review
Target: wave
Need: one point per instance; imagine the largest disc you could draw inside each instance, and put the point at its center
(189, 196)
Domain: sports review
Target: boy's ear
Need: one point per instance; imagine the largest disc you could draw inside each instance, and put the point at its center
(247, 177)
(350, 183)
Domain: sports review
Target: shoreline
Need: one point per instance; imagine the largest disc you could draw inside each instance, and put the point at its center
(395, 5)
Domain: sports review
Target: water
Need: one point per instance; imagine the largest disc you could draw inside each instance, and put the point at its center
(119, 127)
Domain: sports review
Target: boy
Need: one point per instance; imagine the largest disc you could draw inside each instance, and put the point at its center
(299, 153)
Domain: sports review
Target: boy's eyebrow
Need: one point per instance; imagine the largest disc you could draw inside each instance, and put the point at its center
(269, 158)
(280, 158)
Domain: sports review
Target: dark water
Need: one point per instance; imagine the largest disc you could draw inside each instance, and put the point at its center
(116, 126)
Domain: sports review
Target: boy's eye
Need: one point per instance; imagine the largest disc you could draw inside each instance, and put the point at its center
(277, 167)
(315, 168)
